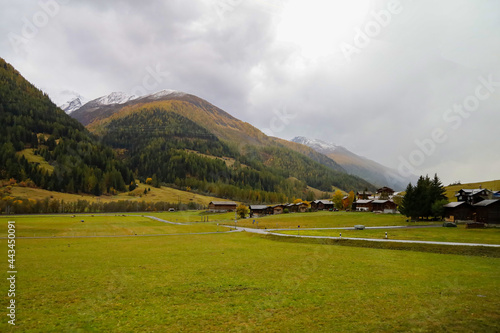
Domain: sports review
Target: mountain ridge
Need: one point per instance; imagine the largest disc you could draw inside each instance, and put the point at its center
(245, 142)
(363, 167)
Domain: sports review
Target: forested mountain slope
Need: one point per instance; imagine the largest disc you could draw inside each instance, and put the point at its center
(40, 143)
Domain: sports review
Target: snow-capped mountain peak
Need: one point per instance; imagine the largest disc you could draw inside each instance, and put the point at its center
(114, 98)
(73, 105)
(316, 144)
(68, 100)
(163, 93)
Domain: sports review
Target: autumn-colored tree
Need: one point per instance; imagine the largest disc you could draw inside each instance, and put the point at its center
(149, 181)
(242, 211)
(337, 199)
(348, 201)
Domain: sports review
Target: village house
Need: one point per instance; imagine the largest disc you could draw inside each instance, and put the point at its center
(321, 205)
(222, 206)
(363, 205)
(301, 207)
(365, 195)
(459, 211)
(278, 209)
(385, 192)
(473, 196)
(384, 206)
(260, 210)
(488, 211)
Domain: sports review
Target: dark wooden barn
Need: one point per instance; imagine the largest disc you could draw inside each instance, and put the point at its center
(222, 206)
(260, 210)
(488, 211)
(459, 211)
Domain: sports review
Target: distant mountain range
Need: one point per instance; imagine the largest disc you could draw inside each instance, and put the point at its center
(331, 155)
(363, 167)
(168, 132)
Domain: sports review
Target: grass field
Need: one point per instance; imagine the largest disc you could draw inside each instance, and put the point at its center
(243, 283)
(194, 216)
(325, 220)
(239, 282)
(459, 234)
(97, 225)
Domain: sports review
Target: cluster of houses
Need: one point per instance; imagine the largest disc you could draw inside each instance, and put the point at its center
(366, 201)
(262, 210)
(379, 202)
(479, 205)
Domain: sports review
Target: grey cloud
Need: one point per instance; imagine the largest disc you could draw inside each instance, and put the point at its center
(395, 91)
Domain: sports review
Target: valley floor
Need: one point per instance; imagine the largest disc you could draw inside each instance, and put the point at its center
(235, 282)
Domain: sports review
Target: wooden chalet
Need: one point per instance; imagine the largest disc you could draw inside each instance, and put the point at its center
(459, 211)
(473, 196)
(321, 205)
(488, 211)
(363, 205)
(365, 195)
(385, 192)
(222, 206)
(384, 206)
(278, 209)
(300, 207)
(260, 210)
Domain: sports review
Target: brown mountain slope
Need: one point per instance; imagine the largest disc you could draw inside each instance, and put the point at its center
(214, 119)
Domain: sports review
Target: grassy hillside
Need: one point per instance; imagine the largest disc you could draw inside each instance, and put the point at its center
(31, 157)
(163, 194)
(493, 185)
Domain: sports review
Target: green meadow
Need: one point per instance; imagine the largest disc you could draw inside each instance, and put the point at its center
(98, 225)
(438, 234)
(236, 282)
(325, 220)
(193, 216)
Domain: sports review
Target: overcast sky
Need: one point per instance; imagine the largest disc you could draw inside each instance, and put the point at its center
(409, 84)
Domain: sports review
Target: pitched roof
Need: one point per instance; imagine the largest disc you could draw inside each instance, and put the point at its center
(385, 189)
(379, 201)
(225, 203)
(470, 192)
(258, 207)
(363, 201)
(485, 203)
(455, 204)
(324, 202)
